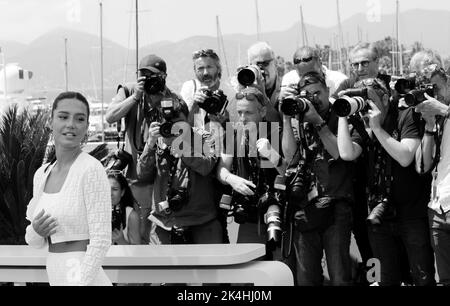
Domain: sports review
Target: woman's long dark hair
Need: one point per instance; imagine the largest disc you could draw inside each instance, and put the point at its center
(127, 200)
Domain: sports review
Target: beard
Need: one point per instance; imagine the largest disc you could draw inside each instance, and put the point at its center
(209, 79)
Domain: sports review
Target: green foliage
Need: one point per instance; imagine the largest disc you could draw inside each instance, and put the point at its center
(23, 141)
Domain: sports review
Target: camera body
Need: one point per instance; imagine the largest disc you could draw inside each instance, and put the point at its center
(413, 90)
(168, 113)
(296, 105)
(251, 75)
(353, 101)
(118, 161)
(214, 102)
(154, 84)
(116, 218)
(380, 210)
(176, 199)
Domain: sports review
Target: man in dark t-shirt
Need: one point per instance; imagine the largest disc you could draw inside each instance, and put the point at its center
(393, 137)
(312, 141)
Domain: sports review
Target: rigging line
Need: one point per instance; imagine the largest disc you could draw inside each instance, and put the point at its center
(128, 46)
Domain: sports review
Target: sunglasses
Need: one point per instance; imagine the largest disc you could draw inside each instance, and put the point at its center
(205, 53)
(364, 64)
(264, 63)
(303, 60)
(249, 96)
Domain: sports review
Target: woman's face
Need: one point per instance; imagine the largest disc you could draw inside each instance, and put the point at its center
(116, 191)
(69, 123)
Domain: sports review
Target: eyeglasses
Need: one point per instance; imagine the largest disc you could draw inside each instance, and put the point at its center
(364, 64)
(303, 60)
(205, 53)
(264, 63)
(114, 172)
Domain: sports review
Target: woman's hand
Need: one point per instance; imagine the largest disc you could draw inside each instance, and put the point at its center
(44, 225)
(241, 185)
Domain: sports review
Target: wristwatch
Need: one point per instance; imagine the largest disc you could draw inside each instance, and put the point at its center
(320, 126)
(430, 133)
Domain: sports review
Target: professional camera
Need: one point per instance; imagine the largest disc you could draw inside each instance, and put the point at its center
(296, 105)
(168, 113)
(299, 183)
(268, 202)
(119, 160)
(244, 208)
(214, 102)
(413, 90)
(250, 75)
(154, 84)
(381, 210)
(116, 218)
(353, 101)
(177, 198)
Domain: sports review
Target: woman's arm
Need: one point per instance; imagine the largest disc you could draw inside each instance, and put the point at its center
(134, 236)
(97, 199)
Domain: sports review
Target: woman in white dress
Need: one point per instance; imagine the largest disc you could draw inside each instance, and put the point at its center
(70, 212)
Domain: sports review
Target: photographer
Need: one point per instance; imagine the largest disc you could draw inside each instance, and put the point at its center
(262, 57)
(133, 102)
(207, 104)
(183, 209)
(397, 195)
(307, 59)
(433, 156)
(245, 173)
(205, 88)
(323, 191)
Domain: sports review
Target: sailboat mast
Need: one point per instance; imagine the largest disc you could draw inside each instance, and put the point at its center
(340, 38)
(137, 36)
(5, 91)
(66, 68)
(258, 24)
(101, 69)
(221, 45)
(399, 48)
(304, 35)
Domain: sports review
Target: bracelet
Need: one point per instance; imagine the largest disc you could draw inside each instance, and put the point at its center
(430, 133)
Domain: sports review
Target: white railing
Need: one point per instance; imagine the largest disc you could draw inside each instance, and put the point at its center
(212, 263)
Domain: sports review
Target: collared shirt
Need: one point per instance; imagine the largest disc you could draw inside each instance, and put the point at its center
(332, 78)
(440, 201)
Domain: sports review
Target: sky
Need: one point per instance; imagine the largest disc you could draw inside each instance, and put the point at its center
(173, 20)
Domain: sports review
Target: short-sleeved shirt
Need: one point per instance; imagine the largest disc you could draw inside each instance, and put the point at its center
(334, 176)
(410, 191)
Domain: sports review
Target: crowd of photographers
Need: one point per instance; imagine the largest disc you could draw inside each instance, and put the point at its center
(299, 162)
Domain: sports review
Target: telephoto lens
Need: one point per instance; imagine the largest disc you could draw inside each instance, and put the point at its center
(273, 221)
(249, 75)
(346, 106)
(292, 106)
